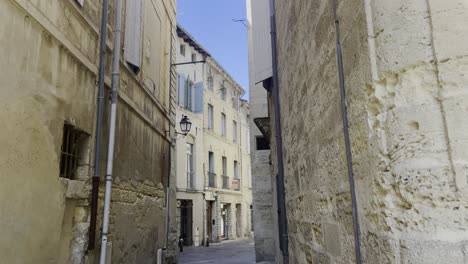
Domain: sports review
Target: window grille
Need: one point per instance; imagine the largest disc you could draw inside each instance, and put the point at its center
(72, 140)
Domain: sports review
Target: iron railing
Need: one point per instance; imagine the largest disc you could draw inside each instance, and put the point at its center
(211, 179)
(225, 182)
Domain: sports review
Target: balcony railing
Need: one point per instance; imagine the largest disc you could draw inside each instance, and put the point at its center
(236, 184)
(211, 179)
(190, 180)
(225, 182)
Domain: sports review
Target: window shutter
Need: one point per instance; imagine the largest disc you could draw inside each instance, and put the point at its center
(261, 39)
(198, 94)
(181, 90)
(132, 44)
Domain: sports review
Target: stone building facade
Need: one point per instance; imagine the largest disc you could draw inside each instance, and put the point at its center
(406, 89)
(213, 159)
(264, 207)
(48, 94)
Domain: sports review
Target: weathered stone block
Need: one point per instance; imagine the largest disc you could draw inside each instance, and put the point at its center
(332, 238)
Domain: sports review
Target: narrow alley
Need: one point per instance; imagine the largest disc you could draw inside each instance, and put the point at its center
(243, 131)
(227, 252)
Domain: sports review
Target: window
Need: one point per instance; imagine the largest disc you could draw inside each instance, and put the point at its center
(223, 92)
(211, 162)
(190, 166)
(210, 117)
(72, 146)
(188, 94)
(224, 166)
(182, 49)
(234, 131)
(184, 94)
(235, 102)
(223, 124)
(262, 143)
(210, 83)
(236, 170)
(224, 176)
(80, 2)
(194, 57)
(211, 174)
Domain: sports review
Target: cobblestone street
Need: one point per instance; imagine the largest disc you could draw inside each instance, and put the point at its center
(228, 252)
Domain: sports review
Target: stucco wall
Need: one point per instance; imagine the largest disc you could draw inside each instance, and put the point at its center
(404, 65)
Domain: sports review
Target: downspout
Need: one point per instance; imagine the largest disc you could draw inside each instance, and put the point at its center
(349, 160)
(113, 116)
(168, 198)
(282, 219)
(97, 147)
(170, 146)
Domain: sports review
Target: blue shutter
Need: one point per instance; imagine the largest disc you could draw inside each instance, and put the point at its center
(132, 42)
(198, 96)
(181, 90)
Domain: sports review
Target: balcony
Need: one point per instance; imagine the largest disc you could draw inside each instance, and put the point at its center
(236, 184)
(211, 179)
(191, 180)
(225, 182)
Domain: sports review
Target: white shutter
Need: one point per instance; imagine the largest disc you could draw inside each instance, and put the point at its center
(261, 39)
(133, 22)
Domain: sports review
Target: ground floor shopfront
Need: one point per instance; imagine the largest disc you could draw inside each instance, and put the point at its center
(211, 217)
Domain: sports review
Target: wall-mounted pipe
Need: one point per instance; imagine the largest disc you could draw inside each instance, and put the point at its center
(113, 117)
(97, 147)
(344, 112)
(168, 181)
(282, 218)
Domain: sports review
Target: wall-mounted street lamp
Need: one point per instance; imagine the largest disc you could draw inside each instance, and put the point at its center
(185, 126)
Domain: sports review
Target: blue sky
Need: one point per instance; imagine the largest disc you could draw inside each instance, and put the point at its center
(210, 23)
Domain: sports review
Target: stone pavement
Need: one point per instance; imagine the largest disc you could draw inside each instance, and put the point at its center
(227, 252)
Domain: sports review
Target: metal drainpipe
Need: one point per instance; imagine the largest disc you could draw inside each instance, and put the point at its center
(97, 147)
(349, 160)
(282, 218)
(168, 217)
(113, 115)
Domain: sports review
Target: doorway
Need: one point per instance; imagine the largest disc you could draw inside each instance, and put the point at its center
(186, 221)
(210, 222)
(225, 221)
(238, 220)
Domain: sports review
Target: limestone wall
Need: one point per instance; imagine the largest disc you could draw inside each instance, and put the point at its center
(405, 65)
(49, 76)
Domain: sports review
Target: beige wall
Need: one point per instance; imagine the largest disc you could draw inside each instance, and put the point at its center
(50, 63)
(404, 66)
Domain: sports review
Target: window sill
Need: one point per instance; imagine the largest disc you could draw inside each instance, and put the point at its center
(75, 189)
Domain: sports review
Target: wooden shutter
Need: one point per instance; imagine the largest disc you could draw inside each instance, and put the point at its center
(198, 96)
(181, 90)
(132, 43)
